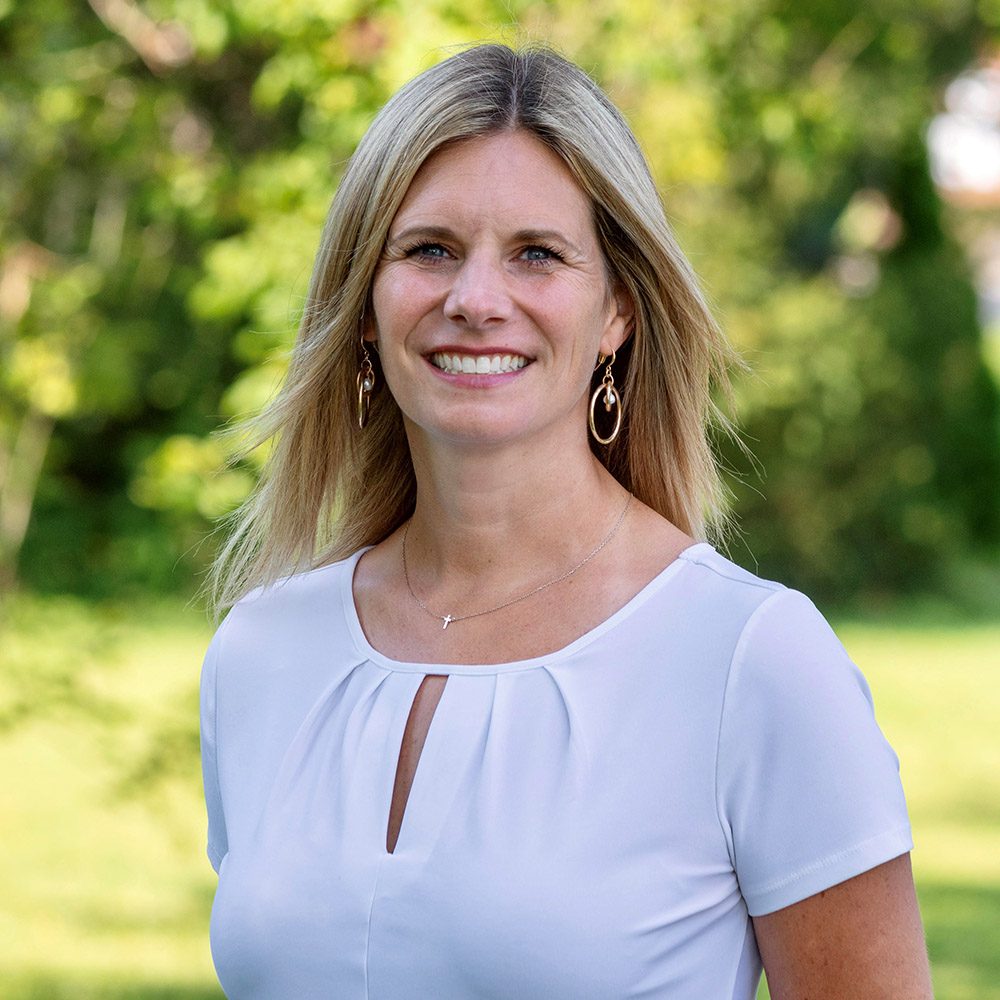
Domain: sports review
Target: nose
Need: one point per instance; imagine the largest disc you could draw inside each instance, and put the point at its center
(478, 295)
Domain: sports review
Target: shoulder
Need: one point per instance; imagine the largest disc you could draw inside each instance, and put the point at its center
(727, 574)
(304, 598)
(294, 618)
(275, 652)
(775, 647)
(724, 628)
(789, 680)
(782, 628)
(714, 588)
(717, 590)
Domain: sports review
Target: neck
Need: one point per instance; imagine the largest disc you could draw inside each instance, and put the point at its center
(487, 523)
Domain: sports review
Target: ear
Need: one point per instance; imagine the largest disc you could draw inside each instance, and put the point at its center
(621, 319)
(369, 333)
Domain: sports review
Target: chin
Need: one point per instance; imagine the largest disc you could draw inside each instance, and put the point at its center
(490, 435)
(481, 430)
(486, 426)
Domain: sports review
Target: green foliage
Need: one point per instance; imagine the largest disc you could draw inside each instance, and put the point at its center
(874, 417)
(166, 178)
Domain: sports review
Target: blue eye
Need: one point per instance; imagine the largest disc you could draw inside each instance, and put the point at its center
(431, 251)
(540, 254)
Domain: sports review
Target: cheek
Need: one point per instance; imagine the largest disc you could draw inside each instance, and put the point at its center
(399, 301)
(579, 294)
(382, 305)
(574, 314)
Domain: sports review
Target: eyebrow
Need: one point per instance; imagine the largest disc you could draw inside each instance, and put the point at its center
(424, 232)
(521, 236)
(546, 236)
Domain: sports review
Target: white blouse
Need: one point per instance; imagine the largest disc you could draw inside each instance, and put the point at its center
(595, 824)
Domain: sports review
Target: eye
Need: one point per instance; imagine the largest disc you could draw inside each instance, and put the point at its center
(537, 254)
(427, 251)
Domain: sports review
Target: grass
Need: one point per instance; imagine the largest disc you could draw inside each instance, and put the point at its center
(104, 892)
(104, 888)
(938, 703)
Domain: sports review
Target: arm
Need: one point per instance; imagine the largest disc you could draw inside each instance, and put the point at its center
(861, 938)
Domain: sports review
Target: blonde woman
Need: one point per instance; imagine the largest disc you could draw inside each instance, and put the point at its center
(489, 717)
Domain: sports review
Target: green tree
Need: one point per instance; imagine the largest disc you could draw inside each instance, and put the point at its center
(877, 422)
(168, 167)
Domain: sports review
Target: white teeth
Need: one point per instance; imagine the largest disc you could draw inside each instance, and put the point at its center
(478, 364)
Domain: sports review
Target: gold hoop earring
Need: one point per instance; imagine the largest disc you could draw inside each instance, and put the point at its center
(612, 398)
(366, 383)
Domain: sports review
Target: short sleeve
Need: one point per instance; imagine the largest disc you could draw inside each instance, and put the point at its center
(808, 788)
(217, 839)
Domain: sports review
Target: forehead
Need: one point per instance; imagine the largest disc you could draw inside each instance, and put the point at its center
(511, 177)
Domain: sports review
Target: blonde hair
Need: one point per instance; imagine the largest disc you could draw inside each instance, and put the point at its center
(328, 488)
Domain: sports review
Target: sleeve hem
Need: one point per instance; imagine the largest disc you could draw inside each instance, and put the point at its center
(215, 856)
(829, 871)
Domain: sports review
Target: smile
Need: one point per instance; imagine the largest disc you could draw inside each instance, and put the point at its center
(478, 364)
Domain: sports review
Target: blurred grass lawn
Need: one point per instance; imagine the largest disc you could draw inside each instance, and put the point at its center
(107, 896)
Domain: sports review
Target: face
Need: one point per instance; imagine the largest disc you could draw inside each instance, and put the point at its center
(492, 301)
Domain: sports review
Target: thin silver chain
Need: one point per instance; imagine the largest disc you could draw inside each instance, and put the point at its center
(448, 619)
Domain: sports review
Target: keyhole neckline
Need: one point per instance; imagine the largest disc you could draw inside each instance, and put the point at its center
(370, 653)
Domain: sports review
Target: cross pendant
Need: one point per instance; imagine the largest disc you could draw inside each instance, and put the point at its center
(447, 619)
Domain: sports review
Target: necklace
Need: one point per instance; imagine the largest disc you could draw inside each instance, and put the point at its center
(448, 619)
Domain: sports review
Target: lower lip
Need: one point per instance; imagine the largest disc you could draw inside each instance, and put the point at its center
(477, 380)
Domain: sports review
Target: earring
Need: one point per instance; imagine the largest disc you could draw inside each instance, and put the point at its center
(366, 383)
(611, 398)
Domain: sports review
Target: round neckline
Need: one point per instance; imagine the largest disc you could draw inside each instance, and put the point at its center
(546, 659)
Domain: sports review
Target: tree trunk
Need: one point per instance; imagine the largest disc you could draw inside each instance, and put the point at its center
(23, 468)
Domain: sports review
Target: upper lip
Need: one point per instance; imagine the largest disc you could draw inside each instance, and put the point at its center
(475, 352)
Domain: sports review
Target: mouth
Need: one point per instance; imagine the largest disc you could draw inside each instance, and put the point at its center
(478, 364)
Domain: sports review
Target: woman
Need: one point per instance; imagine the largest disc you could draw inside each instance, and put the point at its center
(507, 725)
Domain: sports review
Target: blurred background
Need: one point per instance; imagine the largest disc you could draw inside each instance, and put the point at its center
(832, 169)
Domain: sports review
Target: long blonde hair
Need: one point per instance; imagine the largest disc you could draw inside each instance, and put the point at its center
(329, 488)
